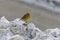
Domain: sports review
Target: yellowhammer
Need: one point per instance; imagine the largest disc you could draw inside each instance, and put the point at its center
(26, 17)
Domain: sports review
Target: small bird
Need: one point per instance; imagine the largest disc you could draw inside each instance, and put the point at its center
(26, 18)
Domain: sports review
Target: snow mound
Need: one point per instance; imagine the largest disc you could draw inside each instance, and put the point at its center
(15, 30)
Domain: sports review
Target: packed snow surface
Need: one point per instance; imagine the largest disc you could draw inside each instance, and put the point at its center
(15, 30)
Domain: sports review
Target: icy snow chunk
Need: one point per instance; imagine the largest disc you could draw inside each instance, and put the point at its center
(17, 27)
(4, 23)
(4, 19)
(31, 26)
(3, 34)
(54, 33)
(16, 37)
(9, 33)
(18, 21)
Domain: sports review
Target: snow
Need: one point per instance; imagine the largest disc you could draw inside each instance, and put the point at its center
(17, 31)
(55, 7)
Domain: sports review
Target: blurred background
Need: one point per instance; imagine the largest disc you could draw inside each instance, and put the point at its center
(40, 16)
